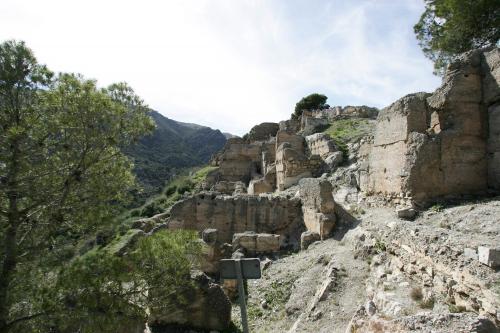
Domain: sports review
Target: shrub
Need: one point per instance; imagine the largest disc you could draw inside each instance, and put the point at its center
(416, 294)
(170, 190)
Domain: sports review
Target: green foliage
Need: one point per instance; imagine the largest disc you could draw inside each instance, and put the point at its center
(62, 173)
(102, 289)
(450, 27)
(171, 148)
(380, 246)
(345, 131)
(437, 208)
(188, 181)
(310, 102)
(279, 293)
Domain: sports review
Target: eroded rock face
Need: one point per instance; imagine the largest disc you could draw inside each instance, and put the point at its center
(292, 165)
(429, 146)
(237, 214)
(318, 206)
(203, 306)
(320, 144)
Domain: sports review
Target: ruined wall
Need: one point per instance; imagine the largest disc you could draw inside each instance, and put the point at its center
(320, 144)
(491, 96)
(236, 214)
(292, 165)
(318, 205)
(239, 159)
(427, 146)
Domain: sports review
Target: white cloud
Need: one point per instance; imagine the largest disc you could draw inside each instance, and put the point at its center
(230, 64)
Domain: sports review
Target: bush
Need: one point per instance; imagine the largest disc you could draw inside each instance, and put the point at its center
(416, 294)
(170, 190)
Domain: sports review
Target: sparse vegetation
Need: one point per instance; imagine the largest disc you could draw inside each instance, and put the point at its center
(437, 208)
(380, 246)
(427, 303)
(416, 294)
(456, 309)
(344, 131)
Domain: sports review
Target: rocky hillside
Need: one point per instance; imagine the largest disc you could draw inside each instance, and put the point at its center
(364, 220)
(171, 147)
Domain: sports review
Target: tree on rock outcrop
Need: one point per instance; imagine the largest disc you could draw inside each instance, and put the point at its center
(450, 27)
(310, 102)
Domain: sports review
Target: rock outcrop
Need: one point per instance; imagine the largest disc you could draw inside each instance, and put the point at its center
(428, 146)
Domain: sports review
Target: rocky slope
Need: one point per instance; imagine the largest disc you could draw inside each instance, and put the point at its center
(396, 219)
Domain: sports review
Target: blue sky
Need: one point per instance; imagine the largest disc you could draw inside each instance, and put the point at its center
(230, 64)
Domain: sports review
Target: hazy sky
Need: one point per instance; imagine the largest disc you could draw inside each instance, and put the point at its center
(230, 64)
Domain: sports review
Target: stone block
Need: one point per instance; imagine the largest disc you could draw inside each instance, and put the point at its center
(254, 243)
(268, 243)
(489, 256)
(406, 213)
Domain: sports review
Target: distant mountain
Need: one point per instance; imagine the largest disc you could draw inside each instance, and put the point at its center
(229, 135)
(172, 146)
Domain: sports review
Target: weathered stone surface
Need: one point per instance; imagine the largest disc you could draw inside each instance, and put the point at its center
(228, 187)
(254, 243)
(310, 125)
(292, 165)
(489, 256)
(318, 205)
(203, 306)
(291, 125)
(295, 141)
(429, 146)
(258, 186)
(236, 214)
(307, 238)
(334, 159)
(263, 132)
(320, 144)
(239, 160)
(494, 146)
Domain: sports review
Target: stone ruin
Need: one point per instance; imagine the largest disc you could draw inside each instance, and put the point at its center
(428, 146)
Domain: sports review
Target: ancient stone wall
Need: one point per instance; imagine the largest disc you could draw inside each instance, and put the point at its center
(320, 144)
(239, 159)
(292, 165)
(236, 214)
(429, 146)
(318, 205)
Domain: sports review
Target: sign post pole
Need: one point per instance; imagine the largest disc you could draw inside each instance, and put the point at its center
(241, 296)
(239, 269)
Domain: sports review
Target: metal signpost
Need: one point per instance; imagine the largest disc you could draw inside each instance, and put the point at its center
(248, 268)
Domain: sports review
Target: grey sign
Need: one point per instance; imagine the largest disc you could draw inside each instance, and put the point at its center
(250, 268)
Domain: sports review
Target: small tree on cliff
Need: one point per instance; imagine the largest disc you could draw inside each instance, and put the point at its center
(310, 102)
(61, 171)
(450, 27)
